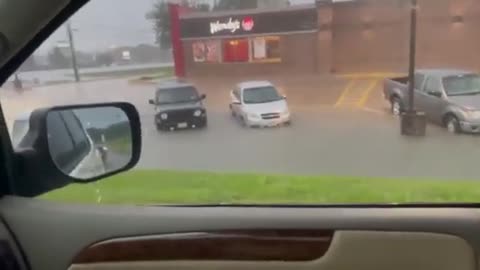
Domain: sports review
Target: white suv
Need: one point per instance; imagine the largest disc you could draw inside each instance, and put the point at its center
(259, 104)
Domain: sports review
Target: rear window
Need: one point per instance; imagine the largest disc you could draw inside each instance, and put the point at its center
(177, 95)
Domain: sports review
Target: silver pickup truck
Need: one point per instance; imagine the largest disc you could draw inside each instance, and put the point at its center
(450, 98)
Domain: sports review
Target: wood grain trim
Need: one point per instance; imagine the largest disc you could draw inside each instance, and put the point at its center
(248, 245)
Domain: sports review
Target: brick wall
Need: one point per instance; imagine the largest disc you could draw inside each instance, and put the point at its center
(373, 35)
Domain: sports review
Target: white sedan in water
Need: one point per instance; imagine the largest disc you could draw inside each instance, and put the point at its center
(259, 104)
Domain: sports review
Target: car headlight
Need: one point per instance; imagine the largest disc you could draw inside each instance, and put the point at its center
(471, 114)
(197, 113)
(285, 112)
(253, 116)
(164, 116)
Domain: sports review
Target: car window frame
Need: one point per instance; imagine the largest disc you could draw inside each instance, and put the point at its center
(432, 79)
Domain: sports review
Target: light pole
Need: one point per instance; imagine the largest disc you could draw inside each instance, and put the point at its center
(72, 50)
(413, 122)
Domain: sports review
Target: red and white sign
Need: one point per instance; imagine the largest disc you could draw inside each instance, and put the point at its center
(232, 25)
(248, 23)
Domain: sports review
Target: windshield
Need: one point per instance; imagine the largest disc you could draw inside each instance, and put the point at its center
(260, 95)
(177, 95)
(462, 85)
(339, 133)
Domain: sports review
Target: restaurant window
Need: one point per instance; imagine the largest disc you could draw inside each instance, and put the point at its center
(236, 50)
(265, 49)
(206, 51)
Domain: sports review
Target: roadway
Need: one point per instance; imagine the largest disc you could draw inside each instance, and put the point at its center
(337, 130)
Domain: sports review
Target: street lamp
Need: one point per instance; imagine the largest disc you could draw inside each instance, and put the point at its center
(413, 123)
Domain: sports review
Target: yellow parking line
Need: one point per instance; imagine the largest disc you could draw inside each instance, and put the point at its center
(371, 75)
(345, 92)
(366, 93)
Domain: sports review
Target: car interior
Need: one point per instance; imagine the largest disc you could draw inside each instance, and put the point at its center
(39, 235)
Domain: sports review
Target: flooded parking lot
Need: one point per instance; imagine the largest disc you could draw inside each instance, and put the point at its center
(339, 127)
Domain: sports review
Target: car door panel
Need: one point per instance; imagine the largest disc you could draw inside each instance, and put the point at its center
(10, 256)
(434, 233)
(349, 250)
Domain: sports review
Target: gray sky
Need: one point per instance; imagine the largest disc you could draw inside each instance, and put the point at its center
(105, 23)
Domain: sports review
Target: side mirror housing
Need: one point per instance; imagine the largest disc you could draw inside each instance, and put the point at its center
(235, 101)
(76, 144)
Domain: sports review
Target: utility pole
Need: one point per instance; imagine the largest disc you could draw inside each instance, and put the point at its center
(72, 50)
(413, 123)
(413, 49)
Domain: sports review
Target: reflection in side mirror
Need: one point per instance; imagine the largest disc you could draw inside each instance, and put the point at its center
(86, 143)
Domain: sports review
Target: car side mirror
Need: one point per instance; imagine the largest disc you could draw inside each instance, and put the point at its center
(435, 93)
(234, 99)
(79, 143)
(151, 102)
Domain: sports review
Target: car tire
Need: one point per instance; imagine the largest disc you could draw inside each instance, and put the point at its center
(396, 106)
(452, 124)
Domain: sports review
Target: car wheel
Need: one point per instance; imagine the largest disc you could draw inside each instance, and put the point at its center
(396, 106)
(452, 124)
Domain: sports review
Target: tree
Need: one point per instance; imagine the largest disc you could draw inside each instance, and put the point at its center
(57, 59)
(161, 19)
(235, 4)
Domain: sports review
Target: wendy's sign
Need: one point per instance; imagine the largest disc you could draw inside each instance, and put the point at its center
(258, 23)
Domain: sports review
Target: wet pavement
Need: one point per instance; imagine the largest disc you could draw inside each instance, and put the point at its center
(324, 139)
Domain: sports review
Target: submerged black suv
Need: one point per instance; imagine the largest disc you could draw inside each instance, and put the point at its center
(179, 106)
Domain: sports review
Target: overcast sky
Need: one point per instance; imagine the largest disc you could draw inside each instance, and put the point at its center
(105, 23)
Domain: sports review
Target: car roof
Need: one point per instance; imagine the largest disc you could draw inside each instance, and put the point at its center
(253, 84)
(444, 72)
(169, 84)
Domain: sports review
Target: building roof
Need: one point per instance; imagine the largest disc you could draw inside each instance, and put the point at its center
(443, 72)
(253, 84)
(209, 14)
